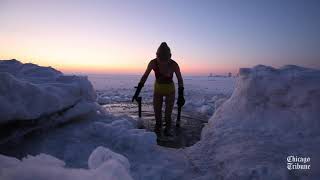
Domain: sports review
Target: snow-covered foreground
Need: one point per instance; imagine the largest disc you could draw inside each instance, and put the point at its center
(100, 145)
(44, 166)
(272, 113)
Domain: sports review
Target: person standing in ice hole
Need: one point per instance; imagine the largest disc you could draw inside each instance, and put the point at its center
(163, 67)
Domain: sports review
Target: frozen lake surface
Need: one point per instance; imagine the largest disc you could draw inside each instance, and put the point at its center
(201, 93)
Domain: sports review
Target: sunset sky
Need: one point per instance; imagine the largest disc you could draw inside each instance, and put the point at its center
(121, 36)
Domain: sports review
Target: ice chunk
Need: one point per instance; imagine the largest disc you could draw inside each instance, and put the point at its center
(111, 170)
(102, 154)
(47, 167)
(29, 91)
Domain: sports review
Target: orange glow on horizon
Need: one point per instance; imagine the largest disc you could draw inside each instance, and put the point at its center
(122, 68)
(99, 70)
(185, 69)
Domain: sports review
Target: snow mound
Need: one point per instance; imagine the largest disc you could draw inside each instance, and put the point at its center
(102, 154)
(272, 114)
(29, 91)
(28, 70)
(44, 166)
(124, 136)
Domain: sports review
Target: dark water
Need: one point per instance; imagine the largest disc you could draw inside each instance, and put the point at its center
(187, 135)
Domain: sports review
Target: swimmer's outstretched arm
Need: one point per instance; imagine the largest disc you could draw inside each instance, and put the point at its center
(179, 76)
(146, 74)
(142, 81)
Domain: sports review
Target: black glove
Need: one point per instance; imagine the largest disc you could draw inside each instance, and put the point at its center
(136, 94)
(181, 100)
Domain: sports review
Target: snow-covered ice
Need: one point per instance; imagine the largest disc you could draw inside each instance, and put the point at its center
(102, 154)
(28, 91)
(199, 90)
(272, 114)
(47, 167)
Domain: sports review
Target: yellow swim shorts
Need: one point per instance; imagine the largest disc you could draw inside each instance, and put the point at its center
(164, 89)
